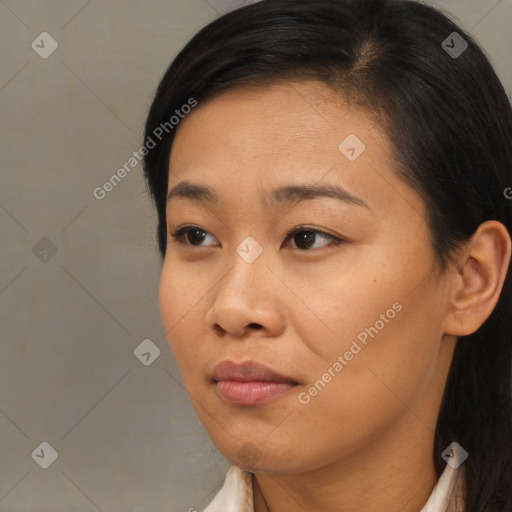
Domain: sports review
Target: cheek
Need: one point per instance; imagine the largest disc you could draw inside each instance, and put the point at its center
(180, 293)
(353, 297)
(180, 311)
(388, 380)
(388, 362)
(380, 336)
(167, 296)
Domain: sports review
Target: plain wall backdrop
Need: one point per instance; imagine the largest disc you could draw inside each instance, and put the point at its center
(79, 275)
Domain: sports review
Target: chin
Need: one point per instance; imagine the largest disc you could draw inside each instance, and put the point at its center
(270, 458)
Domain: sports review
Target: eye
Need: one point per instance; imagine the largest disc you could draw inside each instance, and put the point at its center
(193, 235)
(304, 238)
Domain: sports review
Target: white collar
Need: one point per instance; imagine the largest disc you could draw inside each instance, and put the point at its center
(236, 493)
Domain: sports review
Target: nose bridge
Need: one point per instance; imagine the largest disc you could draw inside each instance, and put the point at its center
(248, 271)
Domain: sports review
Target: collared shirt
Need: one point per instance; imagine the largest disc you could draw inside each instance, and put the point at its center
(236, 495)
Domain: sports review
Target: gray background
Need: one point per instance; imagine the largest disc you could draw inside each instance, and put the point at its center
(126, 436)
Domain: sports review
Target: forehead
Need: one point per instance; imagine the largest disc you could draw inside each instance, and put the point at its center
(278, 125)
(249, 140)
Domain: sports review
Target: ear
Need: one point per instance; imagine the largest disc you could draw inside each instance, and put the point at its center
(477, 280)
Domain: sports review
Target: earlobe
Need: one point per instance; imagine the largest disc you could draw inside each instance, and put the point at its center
(478, 277)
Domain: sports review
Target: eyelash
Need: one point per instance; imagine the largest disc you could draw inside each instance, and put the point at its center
(180, 232)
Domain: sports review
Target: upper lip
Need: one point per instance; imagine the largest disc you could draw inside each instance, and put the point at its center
(246, 372)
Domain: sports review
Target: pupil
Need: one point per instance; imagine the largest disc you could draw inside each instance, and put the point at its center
(192, 234)
(307, 237)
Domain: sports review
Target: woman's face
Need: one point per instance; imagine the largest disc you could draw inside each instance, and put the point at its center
(350, 310)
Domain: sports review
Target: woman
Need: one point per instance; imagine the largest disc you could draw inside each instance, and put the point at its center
(329, 179)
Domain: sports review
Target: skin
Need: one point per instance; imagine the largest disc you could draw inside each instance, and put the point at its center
(365, 441)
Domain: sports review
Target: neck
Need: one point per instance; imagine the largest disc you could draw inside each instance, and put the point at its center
(367, 480)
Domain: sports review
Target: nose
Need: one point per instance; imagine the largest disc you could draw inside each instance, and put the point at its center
(247, 301)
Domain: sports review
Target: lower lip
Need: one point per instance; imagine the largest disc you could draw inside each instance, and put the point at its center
(251, 393)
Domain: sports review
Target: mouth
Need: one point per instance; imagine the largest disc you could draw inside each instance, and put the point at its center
(249, 383)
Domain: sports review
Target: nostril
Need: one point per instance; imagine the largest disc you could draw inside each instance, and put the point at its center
(219, 330)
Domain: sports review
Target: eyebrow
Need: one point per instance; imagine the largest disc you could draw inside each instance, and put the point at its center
(277, 196)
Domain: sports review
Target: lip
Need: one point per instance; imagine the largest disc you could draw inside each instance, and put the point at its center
(246, 372)
(249, 383)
